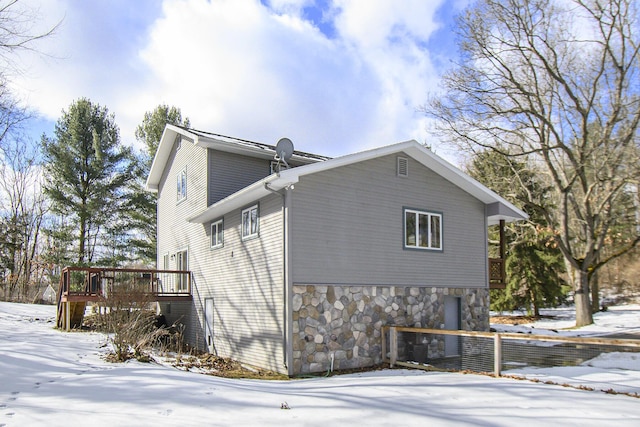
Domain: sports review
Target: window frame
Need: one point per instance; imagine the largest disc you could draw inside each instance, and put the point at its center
(219, 225)
(181, 185)
(254, 226)
(430, 234)
(182, 263)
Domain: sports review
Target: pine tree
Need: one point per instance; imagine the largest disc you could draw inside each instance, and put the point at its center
(87, 170)
(141, 206)
(534, 264)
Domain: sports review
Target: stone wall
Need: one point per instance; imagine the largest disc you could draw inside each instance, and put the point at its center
(345, 322)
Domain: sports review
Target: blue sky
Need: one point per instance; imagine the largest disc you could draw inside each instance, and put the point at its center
(333, 76)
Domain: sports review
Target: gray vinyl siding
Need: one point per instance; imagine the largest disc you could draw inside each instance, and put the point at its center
(174, 232)
(347, 228)
(245, 280)
(229, 172)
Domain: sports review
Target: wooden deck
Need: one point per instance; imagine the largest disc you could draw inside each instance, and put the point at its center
(82, 285)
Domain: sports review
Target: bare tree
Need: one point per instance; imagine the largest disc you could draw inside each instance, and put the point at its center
(557, 81)
(22, 209)
(17, 32)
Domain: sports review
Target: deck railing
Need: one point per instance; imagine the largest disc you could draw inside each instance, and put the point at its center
(116, 286)
(92, 283)
(497, 273)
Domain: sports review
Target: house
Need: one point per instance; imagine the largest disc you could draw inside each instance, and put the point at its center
(299, 269)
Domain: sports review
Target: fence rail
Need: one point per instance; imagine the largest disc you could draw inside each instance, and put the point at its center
(493, 352)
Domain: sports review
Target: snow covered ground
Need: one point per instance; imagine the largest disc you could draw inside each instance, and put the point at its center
(54, 378)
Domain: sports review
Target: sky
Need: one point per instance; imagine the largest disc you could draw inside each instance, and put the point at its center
(334, 76)
(55, 378)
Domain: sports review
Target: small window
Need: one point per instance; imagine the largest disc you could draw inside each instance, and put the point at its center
(403, 167)
(250, 222)
(182, 185)
(217, 234)
(422, 230)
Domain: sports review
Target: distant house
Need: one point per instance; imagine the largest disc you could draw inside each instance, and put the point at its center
(296, 269)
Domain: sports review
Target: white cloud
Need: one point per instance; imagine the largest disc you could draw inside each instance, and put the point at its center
(247, 70)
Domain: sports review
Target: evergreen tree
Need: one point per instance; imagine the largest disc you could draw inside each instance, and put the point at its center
(534, 264)
(150, 130)
(87, 170)
(142, 204)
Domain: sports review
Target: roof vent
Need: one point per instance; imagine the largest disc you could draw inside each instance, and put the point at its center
(403, 167)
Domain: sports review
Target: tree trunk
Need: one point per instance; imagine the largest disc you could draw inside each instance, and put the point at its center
(581, 297)
(595, 293)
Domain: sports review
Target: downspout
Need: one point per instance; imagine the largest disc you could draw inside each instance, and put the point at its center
(285, 274)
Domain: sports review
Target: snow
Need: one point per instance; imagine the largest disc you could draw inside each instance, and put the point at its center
(54, 378)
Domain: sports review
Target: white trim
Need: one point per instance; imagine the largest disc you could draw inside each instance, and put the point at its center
(253, 225)
(220, 230)
(416, 236)
(166, 145)
(181, 284)
(179, 185)
(411, 149)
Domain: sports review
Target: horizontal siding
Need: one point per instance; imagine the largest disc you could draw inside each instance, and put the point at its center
(229, 172)
(347, 228)
(245, 280)
(174, 232)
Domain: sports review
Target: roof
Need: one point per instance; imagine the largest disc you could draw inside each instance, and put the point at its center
(497, 207)
(215, 141)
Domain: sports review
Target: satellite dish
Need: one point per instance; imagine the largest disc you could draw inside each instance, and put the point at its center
(284, 149)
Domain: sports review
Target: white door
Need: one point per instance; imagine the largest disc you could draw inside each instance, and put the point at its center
(208, 323)
(452, 317)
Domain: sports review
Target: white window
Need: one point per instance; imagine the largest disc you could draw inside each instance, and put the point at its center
(422, 230)
(182, 263)
(165, 261)
(217, 234)
(182, 185)
(250, 222)
(163, 278)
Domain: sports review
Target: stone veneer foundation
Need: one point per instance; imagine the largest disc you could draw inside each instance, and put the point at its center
(345, 322)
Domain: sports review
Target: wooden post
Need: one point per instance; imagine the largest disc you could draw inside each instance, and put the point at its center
(503, 254)
(383, 339)
(68, 315)
(393, 346)
(497, 355)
